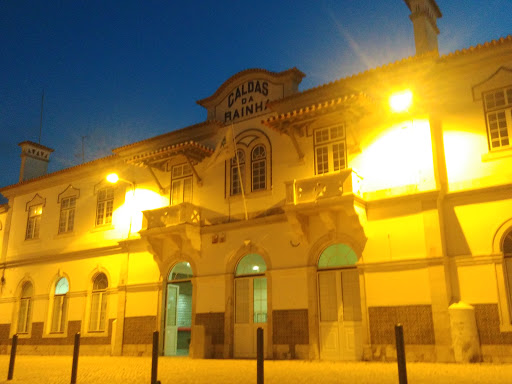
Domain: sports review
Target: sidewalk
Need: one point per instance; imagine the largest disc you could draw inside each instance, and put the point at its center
(128, 370)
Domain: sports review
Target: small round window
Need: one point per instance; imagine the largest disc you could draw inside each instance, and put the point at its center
(181, 271)
(337, 255)
(251, 264)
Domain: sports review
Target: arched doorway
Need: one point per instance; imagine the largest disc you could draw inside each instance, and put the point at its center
(178, 310)
(250, 304)
(339, 301)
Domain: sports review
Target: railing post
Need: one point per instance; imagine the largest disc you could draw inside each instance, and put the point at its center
(76, 350)
(400, 354)
(154, 359)
(13, 356)
(259, 356)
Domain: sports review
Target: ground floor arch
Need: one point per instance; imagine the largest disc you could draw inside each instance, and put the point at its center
(339, 304)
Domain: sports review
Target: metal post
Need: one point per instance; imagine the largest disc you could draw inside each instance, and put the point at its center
(13, 356)
(154, 359)
(259, 356)
(76, 350)
(400, 354)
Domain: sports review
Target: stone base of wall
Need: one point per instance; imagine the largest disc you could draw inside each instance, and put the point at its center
(496, 353)
(85, 350)
(288, 352)
(137, 349)
(387, 352)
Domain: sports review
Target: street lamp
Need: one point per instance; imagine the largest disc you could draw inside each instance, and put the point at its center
(401, 101)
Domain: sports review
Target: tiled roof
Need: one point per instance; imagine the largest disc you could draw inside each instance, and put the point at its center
(171, 133)
(429, 56)
(59, 172)
(169, 150)
(333, 103)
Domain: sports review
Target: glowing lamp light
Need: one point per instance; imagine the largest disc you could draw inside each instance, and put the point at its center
(401, 101)
(112, 178)
(255, 268)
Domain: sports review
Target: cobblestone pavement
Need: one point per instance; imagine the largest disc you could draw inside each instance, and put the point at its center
(127, 370)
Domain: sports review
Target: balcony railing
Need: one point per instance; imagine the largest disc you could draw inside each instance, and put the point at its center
(184, 213)
(323, 187)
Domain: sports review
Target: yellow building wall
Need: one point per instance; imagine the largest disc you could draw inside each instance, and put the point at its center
(401, 287)
(289, 289)
(478, 284)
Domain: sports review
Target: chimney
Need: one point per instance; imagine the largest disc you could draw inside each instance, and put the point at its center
(34, 160)
(424, 15)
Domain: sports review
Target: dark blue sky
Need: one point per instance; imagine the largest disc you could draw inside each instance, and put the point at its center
(122, 71)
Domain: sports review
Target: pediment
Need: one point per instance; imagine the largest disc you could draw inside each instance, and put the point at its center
(499, 79)
(36, 200)
(246, 94)
(69, 192)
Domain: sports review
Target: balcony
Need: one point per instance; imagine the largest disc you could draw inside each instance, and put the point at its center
(323, 187)
(184, 213)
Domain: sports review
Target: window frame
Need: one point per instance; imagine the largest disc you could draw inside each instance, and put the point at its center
(324, 141)
(62, 309)
(106, 216)
(68, 213)
(246, 143)
(100, 310)
(33, 229)
(182, 178)
(28, 299)
(506, 109)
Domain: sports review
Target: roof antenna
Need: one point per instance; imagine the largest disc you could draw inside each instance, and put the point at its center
(41, 122)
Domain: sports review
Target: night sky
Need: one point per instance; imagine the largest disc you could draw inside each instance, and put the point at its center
(121, 71)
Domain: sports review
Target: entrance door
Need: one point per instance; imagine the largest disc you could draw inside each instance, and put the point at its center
(250, 314)
(171, 324)
(178, 310)
(340, 315)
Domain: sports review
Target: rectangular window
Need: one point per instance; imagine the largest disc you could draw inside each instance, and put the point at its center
(98, 311)
(67, 214)
(181, 185)
(34, 221)
(259, 175)
(498, 115)
(105, 206)
(23, 315)
(236, 180)
(330, 149)
(260, 300)
(59, 313)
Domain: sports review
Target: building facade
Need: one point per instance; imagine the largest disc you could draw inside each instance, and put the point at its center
(322, 216)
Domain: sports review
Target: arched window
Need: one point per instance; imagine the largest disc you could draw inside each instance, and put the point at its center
(251, 292)
(237, 172)
(259, 168)
(251, 171)
(336, 269)
(98, 315)
(181, 271)
(27, 291)
(336, 256)
(507, 254)
(59, 311)
(251, 264)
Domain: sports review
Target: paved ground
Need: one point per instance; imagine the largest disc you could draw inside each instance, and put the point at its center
(127, 370)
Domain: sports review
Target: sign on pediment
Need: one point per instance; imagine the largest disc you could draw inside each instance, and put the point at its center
(249, 99)
(246, 94)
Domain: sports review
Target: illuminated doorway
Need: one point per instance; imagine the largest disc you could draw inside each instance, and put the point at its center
(178, 311)
(250, 304)
(340, 327)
